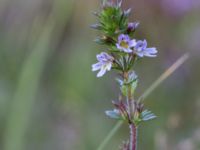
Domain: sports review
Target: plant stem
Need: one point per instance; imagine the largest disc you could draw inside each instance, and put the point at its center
(148, 91)
(133, 137)
(132, 126)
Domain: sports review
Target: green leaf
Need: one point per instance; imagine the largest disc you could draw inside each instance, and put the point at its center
(133, 86)
(124, 89)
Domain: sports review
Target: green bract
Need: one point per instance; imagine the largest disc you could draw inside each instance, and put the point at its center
(112, 21)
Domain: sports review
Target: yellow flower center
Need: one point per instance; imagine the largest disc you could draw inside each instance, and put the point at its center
(124, 44)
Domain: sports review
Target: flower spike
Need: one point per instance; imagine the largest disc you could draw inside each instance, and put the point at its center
(123, 51)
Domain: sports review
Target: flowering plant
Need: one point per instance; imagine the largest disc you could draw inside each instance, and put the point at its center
(123, 50)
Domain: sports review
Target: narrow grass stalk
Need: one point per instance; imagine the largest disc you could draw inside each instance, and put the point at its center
(110, 135)
(155, 84)
(164, 76)
(24, 98)
(25, 93)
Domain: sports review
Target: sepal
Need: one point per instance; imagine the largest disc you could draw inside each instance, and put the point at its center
(104, 39)
(95, 13)
(121, 82)
(141, 115)
(127, 12)
(131, 83)
(113, 114)
(147, 115)
(96, 26)
(120, 112)
(119, 3)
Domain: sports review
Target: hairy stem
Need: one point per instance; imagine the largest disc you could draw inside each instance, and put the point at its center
(132, 126)
(133, 137)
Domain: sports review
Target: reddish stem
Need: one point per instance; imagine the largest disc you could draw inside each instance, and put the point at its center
(133, 137)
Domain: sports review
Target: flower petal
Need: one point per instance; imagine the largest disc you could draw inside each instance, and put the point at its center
(145, 43)
(127, 50)
(96, 66)
(104, 57)
(123, 37)
(101, 72)
(140, 54)
(132, 43)
(118, 46)
(149, 55)
(150, 52)
(108, 66)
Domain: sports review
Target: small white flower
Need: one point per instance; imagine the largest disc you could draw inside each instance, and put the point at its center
(104, 64)
(141, 49)
(125, 43)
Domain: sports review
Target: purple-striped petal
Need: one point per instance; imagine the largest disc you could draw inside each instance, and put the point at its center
(104, 64)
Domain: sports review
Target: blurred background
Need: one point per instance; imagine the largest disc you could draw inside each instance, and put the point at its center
(51, 100)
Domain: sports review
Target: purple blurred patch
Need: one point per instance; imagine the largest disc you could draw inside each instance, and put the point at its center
(179, 7)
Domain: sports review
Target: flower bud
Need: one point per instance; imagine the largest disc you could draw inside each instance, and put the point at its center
(132, 26)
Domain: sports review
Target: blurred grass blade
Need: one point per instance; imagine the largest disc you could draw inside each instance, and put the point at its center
(162, 78)
(25, 93)
(110, 135)
(23, 101)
